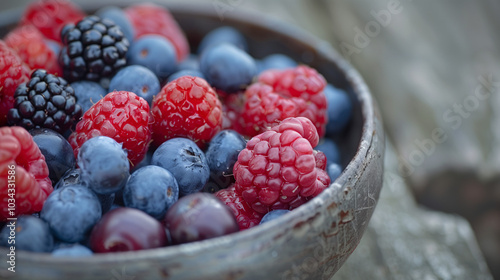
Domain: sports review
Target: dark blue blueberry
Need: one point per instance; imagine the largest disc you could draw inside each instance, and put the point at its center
(334, 170)
(222, 154)
(178, 74)
(57, 151)
(273, 215)
(114, 206)
(221, 35)
(330, 149)
(155, 53)
(137, 79)
(339, 109)
(119, 17)
(88, 93)
(228, 68)
(188, 164)
(190, 63)
(151, 189)
(106, 201)
(276, 61)
(72, 250)
(72, 177)
(104, 165)
(71, 212)
(28, 233)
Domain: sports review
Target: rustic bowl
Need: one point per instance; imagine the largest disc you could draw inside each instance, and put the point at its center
(311, 242)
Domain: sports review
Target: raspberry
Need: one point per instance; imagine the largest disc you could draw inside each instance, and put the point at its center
(13, 72)
(94, 49)
(245, 215)
(50, 16)
(153, 19)
(279, 169)
(280, 94)
(45, 101)
(20, 158)
(120, 115)
(30, 45)
(232, 106)
(186, 107)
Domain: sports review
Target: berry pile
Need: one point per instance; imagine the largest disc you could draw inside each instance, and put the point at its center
(108, 124)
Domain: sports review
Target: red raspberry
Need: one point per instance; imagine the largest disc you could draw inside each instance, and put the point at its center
(29, 44)
(120, 115)
(279, 169)
(21, 160)
(153, 19)
(13, 72)
(245, 215)
(186, 107)
(280, 94)
(232, 106)
(50, 16)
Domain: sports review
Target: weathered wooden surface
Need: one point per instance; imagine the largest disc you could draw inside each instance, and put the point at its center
(405, 241)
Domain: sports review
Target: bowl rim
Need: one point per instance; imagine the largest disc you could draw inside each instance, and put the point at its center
(292, 32)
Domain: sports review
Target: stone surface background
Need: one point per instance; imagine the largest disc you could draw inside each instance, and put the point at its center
(433, 66)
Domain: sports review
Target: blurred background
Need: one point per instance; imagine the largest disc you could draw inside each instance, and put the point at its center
(433, 67)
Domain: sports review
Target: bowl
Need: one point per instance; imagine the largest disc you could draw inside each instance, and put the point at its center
(312, 241)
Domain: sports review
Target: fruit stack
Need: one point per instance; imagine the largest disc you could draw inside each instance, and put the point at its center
(111, 123)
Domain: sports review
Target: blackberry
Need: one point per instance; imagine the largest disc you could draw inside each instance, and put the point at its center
(94, 49)
(45, 101)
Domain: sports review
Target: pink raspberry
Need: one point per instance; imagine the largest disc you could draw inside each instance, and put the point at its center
(244, 214)
(279, 169)
(281, 94)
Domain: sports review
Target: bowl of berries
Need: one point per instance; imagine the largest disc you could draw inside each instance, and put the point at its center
(146, 141)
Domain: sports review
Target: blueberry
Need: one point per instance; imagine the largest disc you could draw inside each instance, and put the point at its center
(151, 189)
(119, 17)
(88, 93)
(71, 212)
(72, 250)
(228, 68)
(104, 165)
(188, 164)
(276, 61)
(339, 109)
(137, 79)
(57, 151)
(189, 63)
(273, 215)
(72, 177)
(155, 53)
(330, 149)
(199, 216)
(30, 233)
(222, 154)
(334, 170)
(221, 35)
(178, 74)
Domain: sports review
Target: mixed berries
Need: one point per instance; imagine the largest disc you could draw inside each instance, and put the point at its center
(115, 137)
